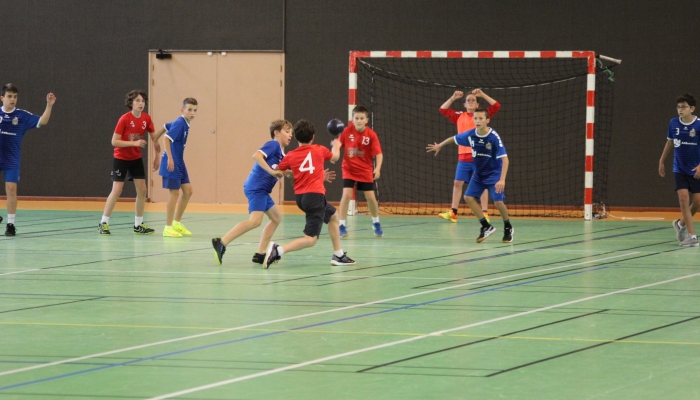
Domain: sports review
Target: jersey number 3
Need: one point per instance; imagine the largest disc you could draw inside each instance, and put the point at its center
(307, 165)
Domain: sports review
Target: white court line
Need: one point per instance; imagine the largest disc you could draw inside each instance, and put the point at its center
(436, 333)
(20, 272)
(106, 353)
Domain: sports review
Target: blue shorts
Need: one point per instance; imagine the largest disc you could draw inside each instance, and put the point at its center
(175, 184)
(258, 201)
(476, 188)
(689, 182)
(11, 174)
(464, 171)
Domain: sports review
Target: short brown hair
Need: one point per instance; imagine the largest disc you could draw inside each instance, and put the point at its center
(687, 98)
(189, 100)
(360, 109)
(9, 88)
(304, 131)
(129, 99)
(278, 125)
(483, 110)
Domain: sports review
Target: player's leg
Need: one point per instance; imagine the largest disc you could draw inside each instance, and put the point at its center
(498, 202)
(138, 174)
(471, 196)
(275, 217)
(348, 188)
(117, 187)
(373, 205)
(462, 174)
(11, 193)
(330, 217)
(684, 200)
(187, 191)
(690, 226)
(485, 204)
(173, 186)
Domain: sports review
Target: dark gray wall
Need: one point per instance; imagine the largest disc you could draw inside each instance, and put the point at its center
(90, 53)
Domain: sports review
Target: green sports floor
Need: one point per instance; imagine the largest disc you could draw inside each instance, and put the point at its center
(569, 310)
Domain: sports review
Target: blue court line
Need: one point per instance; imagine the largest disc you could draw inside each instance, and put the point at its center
(51, 378)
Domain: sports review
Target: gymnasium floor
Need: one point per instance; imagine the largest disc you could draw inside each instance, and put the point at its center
(571, 310)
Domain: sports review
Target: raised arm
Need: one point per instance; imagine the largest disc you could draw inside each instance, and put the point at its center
(260, 159)
(336, 150)
(435, 147)
(668, 148)
(456, 95)
(480, 93)
(50, 100)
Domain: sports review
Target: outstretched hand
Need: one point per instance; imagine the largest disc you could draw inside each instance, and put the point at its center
(50, 99)
(458, 94)
(435, 147)
(328, 175)
(478, 92)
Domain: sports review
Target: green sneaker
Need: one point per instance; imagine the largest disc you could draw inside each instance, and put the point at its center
(179, 228)
(143, 229)
(169, 231)
(103, 228)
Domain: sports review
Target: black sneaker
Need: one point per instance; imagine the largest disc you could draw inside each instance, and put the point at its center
(0, 220)
(10, 230)
(219, 248)
(258, 258)
(272, 255)
(143, 229)
(344, 260)
(103, 228)
(508, 235)
(485, 232)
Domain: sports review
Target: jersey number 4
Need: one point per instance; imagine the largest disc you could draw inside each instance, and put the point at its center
(307, 165)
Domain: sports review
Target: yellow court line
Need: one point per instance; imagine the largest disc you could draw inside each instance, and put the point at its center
(561, 339)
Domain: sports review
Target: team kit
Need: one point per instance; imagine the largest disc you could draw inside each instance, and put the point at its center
(482, 167)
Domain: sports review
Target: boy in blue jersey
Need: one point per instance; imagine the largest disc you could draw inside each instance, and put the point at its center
(174, 171)
(14, 123)
(490, 169)
(257, 189)
(682, 137)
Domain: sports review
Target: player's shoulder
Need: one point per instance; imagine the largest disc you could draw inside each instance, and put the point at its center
(22, 111)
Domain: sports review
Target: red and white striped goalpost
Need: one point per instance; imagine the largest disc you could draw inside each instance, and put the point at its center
(590, 95)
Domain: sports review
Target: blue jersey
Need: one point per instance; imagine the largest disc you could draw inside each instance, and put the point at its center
(686, 154)
(260, 180)
(487, 152)
(177, 131)
(13, 126)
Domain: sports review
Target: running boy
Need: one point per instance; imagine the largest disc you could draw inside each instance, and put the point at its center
(490, 169)
(306, 163)
(14, 123)
(128, 140)
(174, 171)
(683, 137)
(361, 147)
(465, 167)
(257, 189)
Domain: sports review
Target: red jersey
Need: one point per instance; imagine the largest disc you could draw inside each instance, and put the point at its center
(465, 121)
(360, 149)
(306, 162)
(131, 129)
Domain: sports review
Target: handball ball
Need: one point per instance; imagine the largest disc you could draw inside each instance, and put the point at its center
(335, 127)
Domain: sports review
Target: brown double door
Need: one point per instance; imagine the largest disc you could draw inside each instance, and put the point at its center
(239, 94)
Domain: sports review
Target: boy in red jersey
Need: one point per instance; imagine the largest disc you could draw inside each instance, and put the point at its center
(128, 139)
(465, 166)
(306, 164)
(361, 147)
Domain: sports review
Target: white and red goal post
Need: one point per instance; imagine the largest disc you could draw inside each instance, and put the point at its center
(590, 56)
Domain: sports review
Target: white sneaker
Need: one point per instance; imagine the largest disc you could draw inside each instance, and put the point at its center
(681, 231)
(690, 242)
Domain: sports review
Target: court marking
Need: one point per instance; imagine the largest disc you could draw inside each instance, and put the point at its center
(408, 340)
(34, 367)
(159, 356)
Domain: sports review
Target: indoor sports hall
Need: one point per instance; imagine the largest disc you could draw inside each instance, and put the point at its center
(592, 296)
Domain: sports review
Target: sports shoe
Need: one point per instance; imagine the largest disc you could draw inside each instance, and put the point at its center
(143, 229)
(344, 260)
(258, 258)
(343, 231)
(0, 220)
(103, 228)
(485, 232)
(219, 248)
(508, 235)
(179, 228)
(271, 255)
(449, 215)
(681, 231)
(689, 242)
(171, 232)
(377, 227)
(10, 230)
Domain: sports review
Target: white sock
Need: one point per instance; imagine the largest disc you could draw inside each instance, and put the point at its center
(11, 218)
(693, 237)
(339, 253)
(342, 222)
(375, 220)
(105, 219)
(138, 221)
(280, 250)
